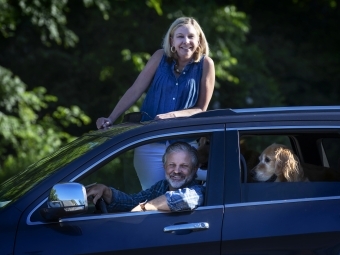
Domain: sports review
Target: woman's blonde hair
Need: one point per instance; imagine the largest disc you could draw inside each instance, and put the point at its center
(203, 47)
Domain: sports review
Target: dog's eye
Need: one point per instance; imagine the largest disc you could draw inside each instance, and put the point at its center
(207, 142)
(266, 159)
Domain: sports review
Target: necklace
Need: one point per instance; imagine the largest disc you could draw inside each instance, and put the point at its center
(177, 69)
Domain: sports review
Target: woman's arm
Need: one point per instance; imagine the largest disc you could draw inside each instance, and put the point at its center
(135, 91)
(206, 91)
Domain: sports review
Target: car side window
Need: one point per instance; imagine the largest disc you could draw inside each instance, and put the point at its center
(118, 173)
(121, 172)
(290, 166)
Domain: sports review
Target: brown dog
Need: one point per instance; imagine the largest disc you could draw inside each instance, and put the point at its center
(278, 164)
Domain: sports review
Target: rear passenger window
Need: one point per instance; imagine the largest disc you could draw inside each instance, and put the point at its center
(289, 166)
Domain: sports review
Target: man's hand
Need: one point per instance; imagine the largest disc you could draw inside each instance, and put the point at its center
(158, 204)
(98, 191)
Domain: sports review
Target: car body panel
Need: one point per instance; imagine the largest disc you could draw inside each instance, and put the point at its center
(9, 220)
(280, 228)
(122, 232)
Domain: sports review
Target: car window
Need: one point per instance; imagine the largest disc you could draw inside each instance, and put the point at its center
(21, 183)
(318, 160)
(120, 172)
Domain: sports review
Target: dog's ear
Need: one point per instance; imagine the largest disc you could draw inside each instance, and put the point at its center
(289, 164)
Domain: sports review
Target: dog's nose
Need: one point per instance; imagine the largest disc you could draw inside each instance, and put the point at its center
(252, 176)
(252, 173)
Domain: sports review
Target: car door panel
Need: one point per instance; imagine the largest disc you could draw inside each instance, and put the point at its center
(282, 227)
(8, 224)
(122, 233)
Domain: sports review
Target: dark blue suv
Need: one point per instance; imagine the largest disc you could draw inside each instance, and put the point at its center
(44, 209)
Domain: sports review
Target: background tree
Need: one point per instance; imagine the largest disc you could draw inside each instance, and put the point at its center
(27, 132)
(25, 136)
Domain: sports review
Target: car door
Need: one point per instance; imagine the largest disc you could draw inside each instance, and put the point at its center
(194, 232)
(278, 218)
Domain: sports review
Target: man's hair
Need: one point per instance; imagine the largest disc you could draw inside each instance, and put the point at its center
(203, 48)
(185, 147)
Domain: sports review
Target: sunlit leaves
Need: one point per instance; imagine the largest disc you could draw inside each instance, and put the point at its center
(139, 59)
(26, 133)
(49, 16)
(156, 4)
(72, 115)
(103, 5)
(106, 73)
(8, 19)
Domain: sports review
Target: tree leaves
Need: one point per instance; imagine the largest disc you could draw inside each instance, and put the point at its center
(25, 134)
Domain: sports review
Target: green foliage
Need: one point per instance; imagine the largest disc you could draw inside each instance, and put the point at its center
(8, 19)
(50, 17)
(26, 135)
(155, 4)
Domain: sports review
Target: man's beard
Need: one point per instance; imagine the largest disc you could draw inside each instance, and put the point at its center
(177, 184)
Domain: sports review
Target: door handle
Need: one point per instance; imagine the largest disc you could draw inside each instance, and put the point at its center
(187, 227)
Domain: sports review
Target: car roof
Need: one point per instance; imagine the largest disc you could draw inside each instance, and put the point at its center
(268, 110)
(224, 116)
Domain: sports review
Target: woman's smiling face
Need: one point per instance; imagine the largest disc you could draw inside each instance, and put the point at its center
(185, 40)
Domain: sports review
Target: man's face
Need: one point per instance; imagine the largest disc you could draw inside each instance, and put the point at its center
(179, 170)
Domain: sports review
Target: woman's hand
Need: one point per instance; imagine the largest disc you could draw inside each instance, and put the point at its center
(178, 114)
(103, 123)
(165, 116)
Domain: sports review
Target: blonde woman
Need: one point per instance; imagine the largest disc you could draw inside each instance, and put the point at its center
(179, 79)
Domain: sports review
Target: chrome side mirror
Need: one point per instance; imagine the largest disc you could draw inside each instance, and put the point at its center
(65, 199)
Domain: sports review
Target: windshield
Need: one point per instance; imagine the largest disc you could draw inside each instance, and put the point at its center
(18, 185)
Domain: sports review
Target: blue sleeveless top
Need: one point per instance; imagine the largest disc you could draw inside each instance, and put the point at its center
(168, 93)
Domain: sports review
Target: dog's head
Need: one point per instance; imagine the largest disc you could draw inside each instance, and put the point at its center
(277, 163)
(203, 152)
